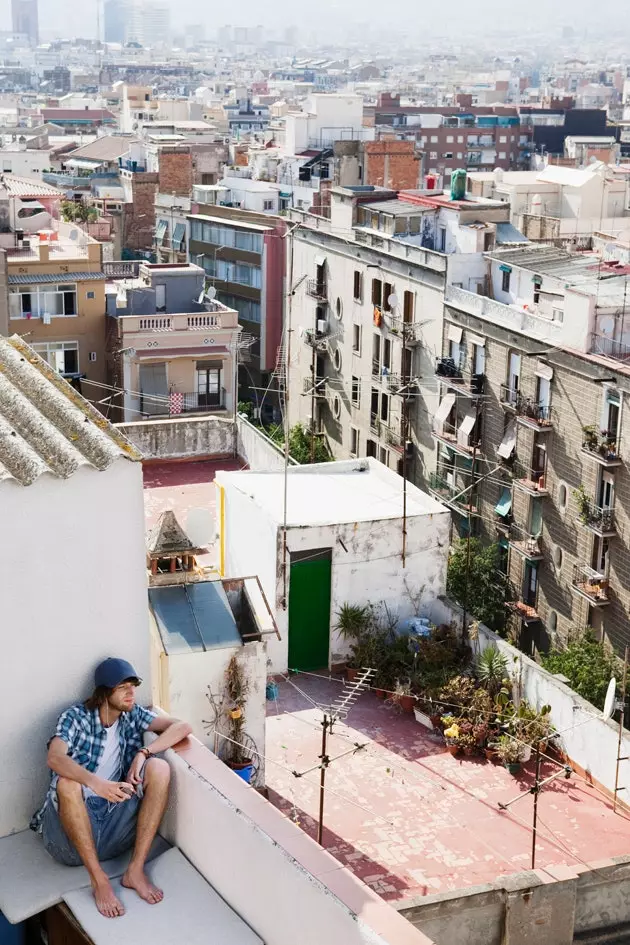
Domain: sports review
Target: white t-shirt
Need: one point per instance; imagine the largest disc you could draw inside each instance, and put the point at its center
(109, 765)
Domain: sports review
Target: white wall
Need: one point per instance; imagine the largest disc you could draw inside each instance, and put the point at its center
(74, 593)
(28, 164)
(370, 571)
(187, 676)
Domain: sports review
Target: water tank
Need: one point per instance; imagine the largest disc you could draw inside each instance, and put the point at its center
(498, 175)
(430, 182)
(458, 184)
(536, 205)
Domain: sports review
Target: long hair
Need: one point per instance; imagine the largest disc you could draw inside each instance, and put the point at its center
(100, 695)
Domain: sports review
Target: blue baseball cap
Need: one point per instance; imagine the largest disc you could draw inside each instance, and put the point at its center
(111, 672)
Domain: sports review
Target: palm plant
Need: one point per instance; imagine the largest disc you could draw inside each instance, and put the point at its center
(490, 669)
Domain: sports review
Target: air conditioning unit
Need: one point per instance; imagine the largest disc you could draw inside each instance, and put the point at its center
(321, 326)
(46, 318)
(92, 355)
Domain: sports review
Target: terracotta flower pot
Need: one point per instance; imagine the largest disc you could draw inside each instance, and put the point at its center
(380, 693)
(351, 674)
(452, 749)
(406, 703)
(236, 713)
(490, 754)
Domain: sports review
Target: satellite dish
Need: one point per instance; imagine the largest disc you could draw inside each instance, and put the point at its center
(607, 325)
(202, 296)
(609, 702)
(392, 300)
(211, 293)
(200, 527)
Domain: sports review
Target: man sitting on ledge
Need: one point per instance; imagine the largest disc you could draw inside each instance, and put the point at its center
(108, 793)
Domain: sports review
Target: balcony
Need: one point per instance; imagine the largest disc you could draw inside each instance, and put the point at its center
(318, 389)
(530, 479)
(203, 321)
(527, 612)
(609, 348)
(177, 403)
(528, 412)
(591, 585)
(120, 269)
(525, 544)
(599, 520)
(410, 331)
(393, 437)
(601, 446)
(461, 439)
(464, 382)
(450, 495)
(67, 181)
(316, 290)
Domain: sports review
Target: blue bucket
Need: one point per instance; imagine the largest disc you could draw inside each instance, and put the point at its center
(271, 691)
(245, 773)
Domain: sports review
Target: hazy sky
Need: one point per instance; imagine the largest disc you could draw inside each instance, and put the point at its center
(457, 20)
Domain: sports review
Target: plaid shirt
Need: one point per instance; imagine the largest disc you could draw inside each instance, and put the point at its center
(84, 734)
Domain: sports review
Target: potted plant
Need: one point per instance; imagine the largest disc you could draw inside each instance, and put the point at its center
(509, 750)
(403, 696)
(237, 689)
(451, 734)
(490, 669)
(590, 437)
(583, 503)
(467, 743)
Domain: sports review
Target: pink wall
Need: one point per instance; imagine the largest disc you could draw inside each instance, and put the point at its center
(274, 271)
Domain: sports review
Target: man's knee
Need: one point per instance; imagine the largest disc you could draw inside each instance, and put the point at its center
(68, 789)
(157, 770)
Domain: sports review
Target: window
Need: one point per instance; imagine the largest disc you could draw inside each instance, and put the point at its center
(488, 241)
(553, 621)
(209, 393)
(338, 308)
(387, 354)
(460, 140)
(442, 239)
(354, 441)
(376, 354)
(557, 557)
(38, 302)
(383, 456)
(449, 139)
(434, 139)
(433, 155)
(370, 448)
(408, 300)
(505, 280)
(460, 156)
(610, 414)
(63, 356)
(356, 339)
(447, 155)
(204, 232)
(267, 205)
(239, 273)
(562, 497)
(377, 292)
(388, 291)
(374, 408)
(90, 295)
(336, 406)
(479, 359)
(384, 407)
(358, 286)
(337, 359)
(601, 548)
(502, 139)
(502, 155)
(6, 167)
(248, 310)
(514, 374)
(356, 391)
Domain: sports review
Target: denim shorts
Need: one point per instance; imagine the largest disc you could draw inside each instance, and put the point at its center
(113, 829)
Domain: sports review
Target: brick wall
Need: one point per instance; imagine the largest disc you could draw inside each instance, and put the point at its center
(391, 163)
(139, 215)
(176, 171)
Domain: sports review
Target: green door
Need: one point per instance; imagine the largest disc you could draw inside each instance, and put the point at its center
(309, 612)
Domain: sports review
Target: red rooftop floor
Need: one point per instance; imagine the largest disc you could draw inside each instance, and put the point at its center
(408, 818)
(182, 487)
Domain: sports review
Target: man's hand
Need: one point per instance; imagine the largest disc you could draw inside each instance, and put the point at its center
(134, 775)
(114, 791)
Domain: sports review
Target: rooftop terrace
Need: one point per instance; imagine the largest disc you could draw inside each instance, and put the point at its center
(408, 818)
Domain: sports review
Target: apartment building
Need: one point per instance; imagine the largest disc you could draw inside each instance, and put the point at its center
(244, 257)
(172, 349)
(56, 283)
(533, 382)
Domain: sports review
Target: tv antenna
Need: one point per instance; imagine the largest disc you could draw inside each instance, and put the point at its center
(337, 711)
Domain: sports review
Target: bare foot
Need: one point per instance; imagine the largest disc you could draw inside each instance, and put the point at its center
(137, 879)
(106, 902)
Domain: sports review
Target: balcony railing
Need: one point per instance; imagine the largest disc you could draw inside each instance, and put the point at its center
(527, 612)
(597, 518)
(601, 445)
(121, 269)
(449, 373)
(202, 322)
(176, 403)
(526, 409)
(451, 494)
(532, 479)
(393, 437)
(526, 544)
(458, 440)
(591, 584)
(318, 387)
(609, 348)
(316, 290)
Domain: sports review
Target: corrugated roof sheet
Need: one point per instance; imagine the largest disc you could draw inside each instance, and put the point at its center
(507, 233)
(43, 277)
(106, 148)
(194, 617)
(46, 426)
(24, 187)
